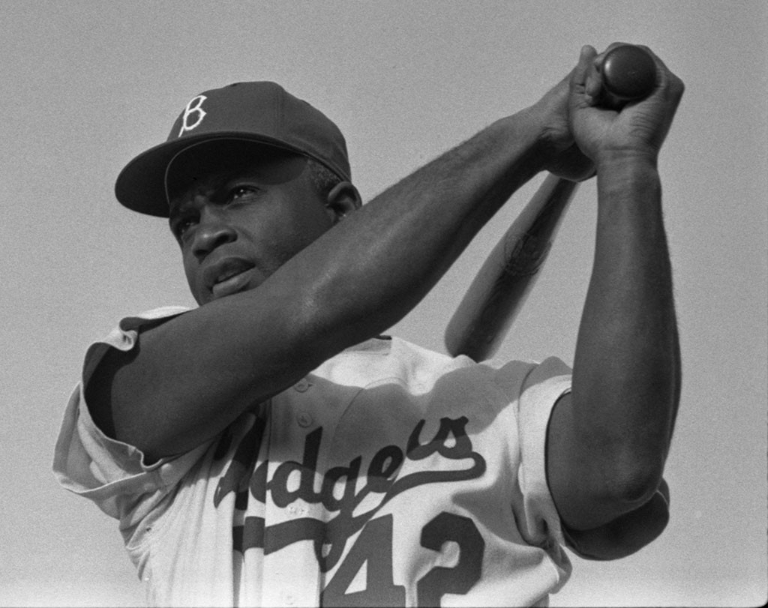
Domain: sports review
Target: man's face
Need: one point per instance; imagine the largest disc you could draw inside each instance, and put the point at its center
(239, 212)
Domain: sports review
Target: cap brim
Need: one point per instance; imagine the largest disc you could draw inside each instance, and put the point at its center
(141, 184)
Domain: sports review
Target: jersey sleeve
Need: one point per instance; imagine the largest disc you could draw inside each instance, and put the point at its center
(539, 519)
(112, 474)
(537, 515)
(531, 391)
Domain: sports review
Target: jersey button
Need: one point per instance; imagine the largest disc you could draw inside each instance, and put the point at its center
(302, 386)
(304, 420)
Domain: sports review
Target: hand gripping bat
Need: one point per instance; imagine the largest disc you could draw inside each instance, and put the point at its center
(503, 283)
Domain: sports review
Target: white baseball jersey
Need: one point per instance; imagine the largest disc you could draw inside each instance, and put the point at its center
(391, 475)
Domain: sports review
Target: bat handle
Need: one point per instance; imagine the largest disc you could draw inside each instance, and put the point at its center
(504, 281)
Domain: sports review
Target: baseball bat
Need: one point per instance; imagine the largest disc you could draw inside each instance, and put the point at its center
(501, 287)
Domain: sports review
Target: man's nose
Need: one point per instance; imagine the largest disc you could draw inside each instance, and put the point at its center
(212, 232)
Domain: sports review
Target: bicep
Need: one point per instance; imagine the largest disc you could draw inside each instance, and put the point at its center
(568, 469)
(594, 524)
(97, 388)
(189, 377)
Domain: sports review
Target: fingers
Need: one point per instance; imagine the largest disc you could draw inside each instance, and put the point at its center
(583, 75)
(610, 86)
(593, 85)
(669, 84)
(604, 122)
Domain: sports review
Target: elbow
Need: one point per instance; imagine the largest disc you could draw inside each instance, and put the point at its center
(632, 460)
(634, 480)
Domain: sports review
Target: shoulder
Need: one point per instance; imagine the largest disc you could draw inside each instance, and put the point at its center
(531, 382)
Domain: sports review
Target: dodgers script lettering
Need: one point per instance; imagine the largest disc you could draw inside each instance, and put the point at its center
(447, 457)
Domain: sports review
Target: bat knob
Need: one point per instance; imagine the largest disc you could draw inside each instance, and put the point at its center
(629, 73)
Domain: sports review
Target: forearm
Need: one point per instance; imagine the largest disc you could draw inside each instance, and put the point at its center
(626, 368)
(383, 259)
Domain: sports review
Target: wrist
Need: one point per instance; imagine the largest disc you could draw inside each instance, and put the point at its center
(523, 134)
(548, 142)
(623, 173)
(621, 161)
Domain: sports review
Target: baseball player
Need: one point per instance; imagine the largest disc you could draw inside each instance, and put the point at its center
(272, 448)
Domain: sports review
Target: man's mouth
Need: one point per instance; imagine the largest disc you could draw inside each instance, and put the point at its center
(232, 278)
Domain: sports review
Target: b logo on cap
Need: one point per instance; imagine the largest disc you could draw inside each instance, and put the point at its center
(193, 109)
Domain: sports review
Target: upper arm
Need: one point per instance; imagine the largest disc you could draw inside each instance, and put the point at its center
(597, 521)
(98, 387)
(189, 377)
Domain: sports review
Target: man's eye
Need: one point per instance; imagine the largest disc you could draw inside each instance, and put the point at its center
(182, 226)
(240, 193)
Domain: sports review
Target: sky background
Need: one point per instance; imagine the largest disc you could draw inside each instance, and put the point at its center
(87, 85)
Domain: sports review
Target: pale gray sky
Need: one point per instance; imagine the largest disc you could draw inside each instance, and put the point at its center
(87, 85)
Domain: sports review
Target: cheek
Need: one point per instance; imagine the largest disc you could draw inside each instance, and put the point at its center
(306, 233)
(283, 243)
(193, 279)
(291, 232)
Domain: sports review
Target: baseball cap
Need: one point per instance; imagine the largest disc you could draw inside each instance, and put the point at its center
(261, 112)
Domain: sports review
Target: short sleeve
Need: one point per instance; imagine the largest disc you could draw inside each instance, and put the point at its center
(537, 516)
(111, 473)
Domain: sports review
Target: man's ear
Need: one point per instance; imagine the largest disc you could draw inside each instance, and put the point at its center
(342, 200)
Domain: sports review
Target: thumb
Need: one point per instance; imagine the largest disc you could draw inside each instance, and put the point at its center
(585, 80)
